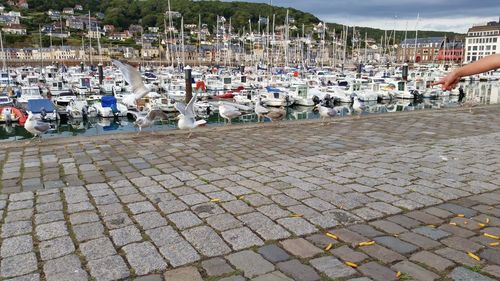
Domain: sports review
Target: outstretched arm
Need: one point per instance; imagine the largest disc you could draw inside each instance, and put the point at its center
(485, 64)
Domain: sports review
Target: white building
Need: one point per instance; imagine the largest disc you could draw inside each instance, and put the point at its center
(482, 41)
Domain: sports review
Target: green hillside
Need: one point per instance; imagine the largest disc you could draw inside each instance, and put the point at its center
(148, 13)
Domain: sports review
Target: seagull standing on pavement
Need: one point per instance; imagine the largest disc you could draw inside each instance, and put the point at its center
(187, 120)
(357, 106)
(325, 112)
(260, 110)
(134, 79)
(228, 112)
(35, 127)
(147, 121)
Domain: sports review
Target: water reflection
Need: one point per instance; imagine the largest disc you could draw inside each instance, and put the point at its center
(488, 93)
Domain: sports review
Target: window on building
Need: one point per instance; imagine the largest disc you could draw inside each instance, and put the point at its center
(494, 40)
(474, 48)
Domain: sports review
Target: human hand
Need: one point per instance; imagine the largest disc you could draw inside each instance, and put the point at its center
(449, 82)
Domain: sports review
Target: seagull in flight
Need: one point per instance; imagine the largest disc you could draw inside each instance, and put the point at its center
(187, 120)
(146, 121)
(134, 79)
(36, 127)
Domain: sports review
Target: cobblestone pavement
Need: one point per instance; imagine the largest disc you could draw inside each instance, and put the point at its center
(410, 196)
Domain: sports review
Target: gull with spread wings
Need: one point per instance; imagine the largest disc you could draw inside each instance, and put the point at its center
(134, 79)
(187, 116)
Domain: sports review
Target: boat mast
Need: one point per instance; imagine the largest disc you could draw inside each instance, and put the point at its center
(4, 57)
(406, 43)
(286, 39)
(416, 37)
(199, 39)
(170, 31)
(90, 40)
(40, 50)
(182, 43)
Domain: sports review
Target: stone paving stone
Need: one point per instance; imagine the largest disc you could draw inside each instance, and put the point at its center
(18, 265)
(464, 274)
(83, 217)
(233, 278)
(172, 206)
(432, 260)
(396, 245)
(150, 220)
(298, 226)
(16, 228)
(493, 270)
(144, 258)
(223, 222)
(250, 263)
(109, 268)
(16, 245)
(360, 279)
(241, 238)
(126, 235)
(456, 209)
(51, 230)
(491, 255)
(298, 271)
(415, 271)
(424, 217)
(84, 232)
(348, 236)
(457, 256)
(194, 199)
(216, 267)
(419, 240)
(19, 215)
(183, 274)
(80, 207)
(300, 247)
(49, 217)
(179, 253)
(140, 207)
(29, 277)
(237, 207)
(56, 248)
(206, 241)
(389, 227)
(97, 249)
(432, 233)
(184, 219)
(118, 220)
(456, 230)
(347, 254)
(404, 221)
(151, 277)
(377, 272)
(265, 227)
(365, 230)
(332, 267)
(382, 254)
(461, 244)
(438, 212)
(272, 276)
(273, 253)
(165, 235)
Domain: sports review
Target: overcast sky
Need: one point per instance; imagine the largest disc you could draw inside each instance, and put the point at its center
(448, 15)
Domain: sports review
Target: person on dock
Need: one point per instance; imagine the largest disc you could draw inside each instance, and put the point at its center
(485, 64)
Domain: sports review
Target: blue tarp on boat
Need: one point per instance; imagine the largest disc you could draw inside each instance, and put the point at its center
(37, 105)
(108, 101)
(271, 89)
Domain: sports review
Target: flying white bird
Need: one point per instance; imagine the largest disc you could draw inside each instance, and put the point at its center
(187, 115)
(35, 127)
(134, 79)
(147, 121)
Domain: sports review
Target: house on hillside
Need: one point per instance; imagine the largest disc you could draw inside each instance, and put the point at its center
(78, 7)
(68, 11)
(13, 28)
(5, 19)
(109, 28)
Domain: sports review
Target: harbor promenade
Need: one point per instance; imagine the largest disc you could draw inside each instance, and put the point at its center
(404, 196)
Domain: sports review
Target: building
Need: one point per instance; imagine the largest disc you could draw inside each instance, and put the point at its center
(451, 52)
(68, 11)
(482, 41)
(13, 28)
(425, 50)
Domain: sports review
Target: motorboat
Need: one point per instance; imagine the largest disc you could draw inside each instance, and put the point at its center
(12, 114)
(78, 109)
(43, 109)
(28, 93)
(109, 107)
(276, 97)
